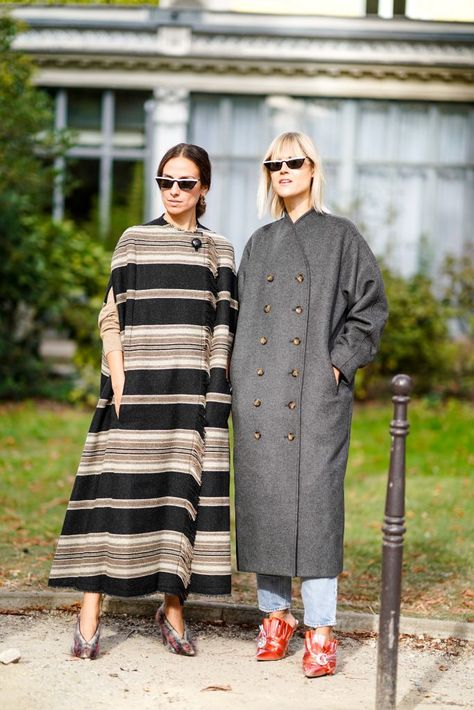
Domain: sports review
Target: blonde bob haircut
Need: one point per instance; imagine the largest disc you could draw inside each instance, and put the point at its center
(294, 144)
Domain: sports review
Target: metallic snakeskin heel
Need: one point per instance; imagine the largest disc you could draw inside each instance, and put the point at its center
(82, 648)
(182, 646)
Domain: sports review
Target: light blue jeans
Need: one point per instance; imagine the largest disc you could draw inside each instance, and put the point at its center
(319, 597)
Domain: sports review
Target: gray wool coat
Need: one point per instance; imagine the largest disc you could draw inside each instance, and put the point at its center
(311, 296)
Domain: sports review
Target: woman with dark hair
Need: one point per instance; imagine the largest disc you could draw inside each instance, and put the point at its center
(149, 511)
(312, 310)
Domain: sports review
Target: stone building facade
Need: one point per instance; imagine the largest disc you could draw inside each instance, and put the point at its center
(389, 102)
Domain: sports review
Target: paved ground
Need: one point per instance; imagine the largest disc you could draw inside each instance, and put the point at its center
(136, 671)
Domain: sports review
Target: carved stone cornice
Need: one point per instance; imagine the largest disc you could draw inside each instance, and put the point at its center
(252, 68)
(207, 44)
(180, 41)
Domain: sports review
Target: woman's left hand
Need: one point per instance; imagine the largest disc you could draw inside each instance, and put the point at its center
(337, 374)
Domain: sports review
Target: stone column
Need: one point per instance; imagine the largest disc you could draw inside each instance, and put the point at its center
(60, 123)
(167, 119)
(106, 176)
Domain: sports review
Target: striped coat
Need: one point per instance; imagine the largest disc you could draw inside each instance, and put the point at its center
(149, 510)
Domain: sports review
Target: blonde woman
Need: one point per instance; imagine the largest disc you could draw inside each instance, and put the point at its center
(312, 310)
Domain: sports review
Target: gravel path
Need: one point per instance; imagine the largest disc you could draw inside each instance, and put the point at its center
(135, 671)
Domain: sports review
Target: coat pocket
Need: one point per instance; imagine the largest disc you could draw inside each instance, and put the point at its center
(334, 384)
(121, 410)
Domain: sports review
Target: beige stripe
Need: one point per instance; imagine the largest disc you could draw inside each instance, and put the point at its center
(216, 464)
(166, 293)
(121, 542)
(209, 502)
(169, 399)
(216, 436)
(164, 254)
(182, 437)
(173, 362)
(163, 399)
(168, 331)
(217, 397)
(134, 467)
(226, 296)
(133, 503)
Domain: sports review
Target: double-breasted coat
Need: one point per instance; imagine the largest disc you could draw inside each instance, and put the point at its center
(310, 296)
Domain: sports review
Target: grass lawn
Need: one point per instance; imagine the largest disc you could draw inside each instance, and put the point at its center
(40, 444)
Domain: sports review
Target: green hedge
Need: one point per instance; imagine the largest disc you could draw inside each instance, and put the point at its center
(429, 334)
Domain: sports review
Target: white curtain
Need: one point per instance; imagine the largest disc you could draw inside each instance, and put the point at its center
(403, 171)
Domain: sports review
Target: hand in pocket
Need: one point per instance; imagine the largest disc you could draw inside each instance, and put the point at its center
(337, 374)
(117, 386)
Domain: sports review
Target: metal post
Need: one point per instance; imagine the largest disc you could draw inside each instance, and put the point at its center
(392, 550)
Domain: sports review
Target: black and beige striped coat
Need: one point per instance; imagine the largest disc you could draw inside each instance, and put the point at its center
(149, 509)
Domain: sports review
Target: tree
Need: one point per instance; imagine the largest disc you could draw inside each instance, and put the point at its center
(45, 267)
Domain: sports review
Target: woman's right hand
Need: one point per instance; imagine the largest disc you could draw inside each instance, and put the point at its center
(117, 376)
(117, 387)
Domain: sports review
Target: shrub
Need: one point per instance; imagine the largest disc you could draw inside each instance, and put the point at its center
(49, 272)
(418, 340)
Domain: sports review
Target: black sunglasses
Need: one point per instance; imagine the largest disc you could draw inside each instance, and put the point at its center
(166, 183)
(292, 163)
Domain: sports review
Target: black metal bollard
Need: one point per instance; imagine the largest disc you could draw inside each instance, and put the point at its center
(392, 550)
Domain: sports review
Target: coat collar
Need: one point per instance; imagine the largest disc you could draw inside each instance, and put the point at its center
(304, 216)
(161, 221)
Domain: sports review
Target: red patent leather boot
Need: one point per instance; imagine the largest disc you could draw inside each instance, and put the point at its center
(273, 639)
(319, 655)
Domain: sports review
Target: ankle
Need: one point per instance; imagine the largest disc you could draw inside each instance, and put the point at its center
(284, 614)
(172, 605)
(325, 632)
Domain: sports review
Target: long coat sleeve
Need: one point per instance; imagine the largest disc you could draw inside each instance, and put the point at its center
(366, 308)
(310, 297)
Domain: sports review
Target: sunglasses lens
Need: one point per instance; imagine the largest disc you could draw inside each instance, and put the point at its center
(273, 165)
(295, 163)
(187, 184)
(164, 183)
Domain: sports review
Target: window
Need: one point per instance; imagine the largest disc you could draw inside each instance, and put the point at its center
(403, 171)
(130, 118)
(84, 115)
(82, 190)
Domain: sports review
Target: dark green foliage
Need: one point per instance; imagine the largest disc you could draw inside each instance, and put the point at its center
(48, 271)
(417, 338)
(458, 292)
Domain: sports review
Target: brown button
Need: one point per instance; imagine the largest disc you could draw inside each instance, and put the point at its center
(257, 402)
(296, 341)
(267, 308)
(295, 372)
(290, 436)
(299, 278)
(270, 278)
(257, 435)
(263, 340)
(260, 371)
(299, 310)
(292, 405)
